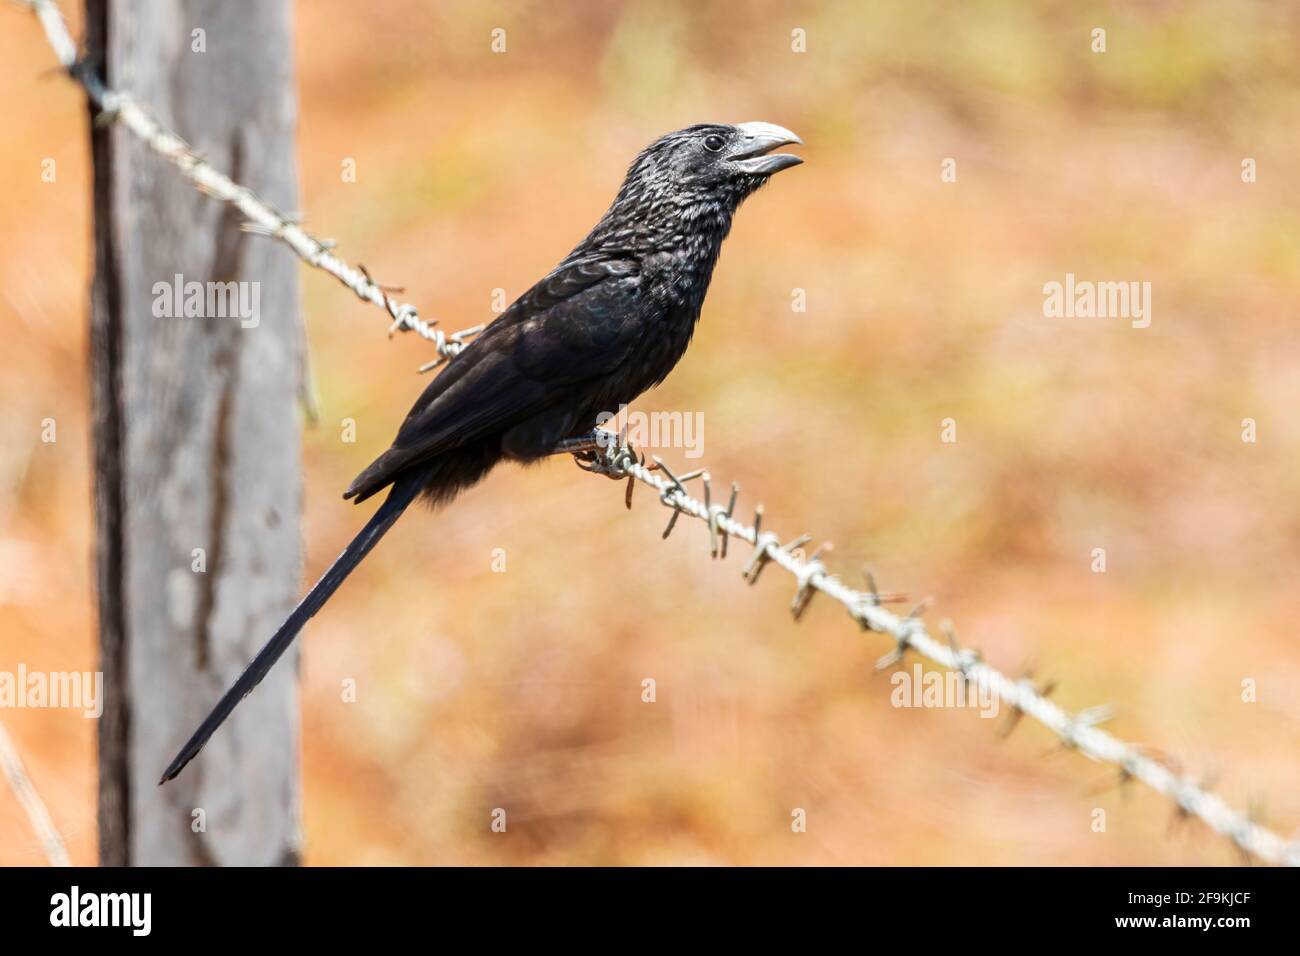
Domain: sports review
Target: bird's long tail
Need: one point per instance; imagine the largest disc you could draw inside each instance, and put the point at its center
(403, 492)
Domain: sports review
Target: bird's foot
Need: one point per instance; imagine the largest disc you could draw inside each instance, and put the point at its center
(605, 453)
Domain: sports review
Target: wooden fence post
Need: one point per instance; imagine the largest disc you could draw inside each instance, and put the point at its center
(196, 435)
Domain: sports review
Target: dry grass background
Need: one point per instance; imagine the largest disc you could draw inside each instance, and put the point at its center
(522, 689)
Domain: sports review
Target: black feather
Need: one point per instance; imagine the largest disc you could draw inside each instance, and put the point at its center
(607, 323)
(398, 500)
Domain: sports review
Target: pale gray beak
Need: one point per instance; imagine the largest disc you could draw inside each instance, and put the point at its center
(757, 140)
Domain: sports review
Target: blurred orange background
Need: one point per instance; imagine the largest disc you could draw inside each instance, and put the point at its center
(478, 171)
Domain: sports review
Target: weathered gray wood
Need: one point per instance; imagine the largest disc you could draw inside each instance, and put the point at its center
(196, 439)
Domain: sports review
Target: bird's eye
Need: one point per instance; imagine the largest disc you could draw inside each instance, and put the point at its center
(713, 143)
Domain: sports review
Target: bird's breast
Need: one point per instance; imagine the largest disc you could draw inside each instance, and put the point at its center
(678, 277)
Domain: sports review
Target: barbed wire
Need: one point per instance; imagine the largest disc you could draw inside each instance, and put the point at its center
(1077, 731)
(259, 215)
(30, 800)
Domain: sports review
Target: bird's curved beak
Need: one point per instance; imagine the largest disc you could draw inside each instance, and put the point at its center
(757, 140)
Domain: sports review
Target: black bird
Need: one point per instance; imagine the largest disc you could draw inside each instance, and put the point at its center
(609, 322)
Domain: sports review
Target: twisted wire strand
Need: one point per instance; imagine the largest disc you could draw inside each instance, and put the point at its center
(1075, 731)
(30, 800)
(260, 216)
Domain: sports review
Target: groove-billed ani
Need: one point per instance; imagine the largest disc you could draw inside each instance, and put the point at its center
(609, 322)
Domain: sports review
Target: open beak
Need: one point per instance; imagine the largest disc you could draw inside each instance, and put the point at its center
(757, 140)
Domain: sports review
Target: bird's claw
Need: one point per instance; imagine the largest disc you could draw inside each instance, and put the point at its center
(612, 460)
(615, 459)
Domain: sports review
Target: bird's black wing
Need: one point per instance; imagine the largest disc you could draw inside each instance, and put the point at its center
(579, 323)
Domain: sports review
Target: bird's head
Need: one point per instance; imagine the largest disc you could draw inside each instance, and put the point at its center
(682, 190)
(711, 162)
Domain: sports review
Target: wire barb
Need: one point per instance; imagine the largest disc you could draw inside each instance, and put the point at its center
(119, 108)
(1079, 732)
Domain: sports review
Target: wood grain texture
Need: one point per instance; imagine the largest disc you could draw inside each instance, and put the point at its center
(196, 436)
